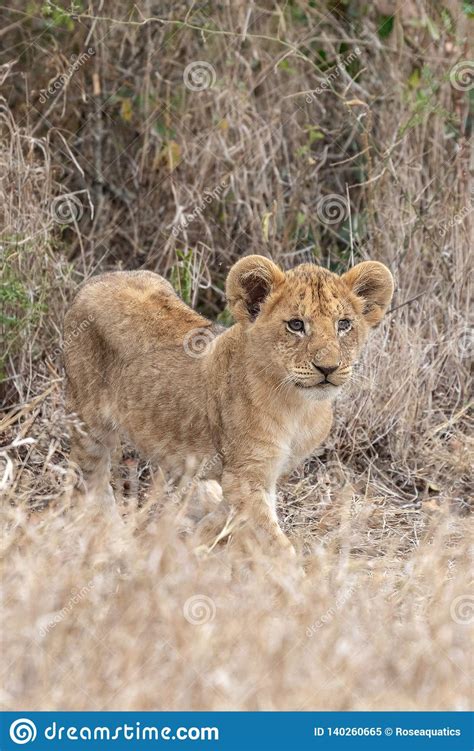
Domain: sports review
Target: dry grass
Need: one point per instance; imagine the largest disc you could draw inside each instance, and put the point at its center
(97, 615)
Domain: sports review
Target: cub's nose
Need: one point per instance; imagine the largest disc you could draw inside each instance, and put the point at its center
(326, 369)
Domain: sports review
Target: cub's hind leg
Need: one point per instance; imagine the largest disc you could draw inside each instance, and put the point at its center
(90, 463)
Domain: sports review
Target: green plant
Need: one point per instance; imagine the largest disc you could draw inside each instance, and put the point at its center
(181, 274)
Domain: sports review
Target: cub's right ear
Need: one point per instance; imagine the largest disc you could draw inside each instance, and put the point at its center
(373, 282)
(249, 283)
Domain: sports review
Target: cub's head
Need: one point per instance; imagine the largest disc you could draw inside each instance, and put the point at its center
(304, 328)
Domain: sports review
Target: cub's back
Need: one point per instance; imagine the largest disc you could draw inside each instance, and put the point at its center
(130, 313)
(122, 323)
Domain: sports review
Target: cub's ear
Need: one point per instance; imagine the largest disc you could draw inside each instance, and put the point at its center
(373, 282)
(249, 283)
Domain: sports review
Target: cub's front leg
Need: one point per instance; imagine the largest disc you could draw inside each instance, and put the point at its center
(251, 493)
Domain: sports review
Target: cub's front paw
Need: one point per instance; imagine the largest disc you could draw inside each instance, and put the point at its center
(215, 526)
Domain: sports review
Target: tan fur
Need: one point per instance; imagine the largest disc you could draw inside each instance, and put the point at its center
(247, 403)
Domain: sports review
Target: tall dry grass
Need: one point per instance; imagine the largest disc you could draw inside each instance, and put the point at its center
(108, 172)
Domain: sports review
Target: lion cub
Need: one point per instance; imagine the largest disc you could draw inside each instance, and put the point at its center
(247, 403)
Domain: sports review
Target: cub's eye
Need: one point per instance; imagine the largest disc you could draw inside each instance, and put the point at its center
(344, 325)
(296, 325)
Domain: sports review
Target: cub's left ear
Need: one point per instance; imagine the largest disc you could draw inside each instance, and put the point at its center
(250, 281)
(373, 282)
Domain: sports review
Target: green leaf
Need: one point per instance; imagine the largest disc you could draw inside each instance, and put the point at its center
(225, 318)
(181, 274)
(385, 26)
(414, 79)
(432, 28)
(468, 8)
(300, 219)
(314, 134)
